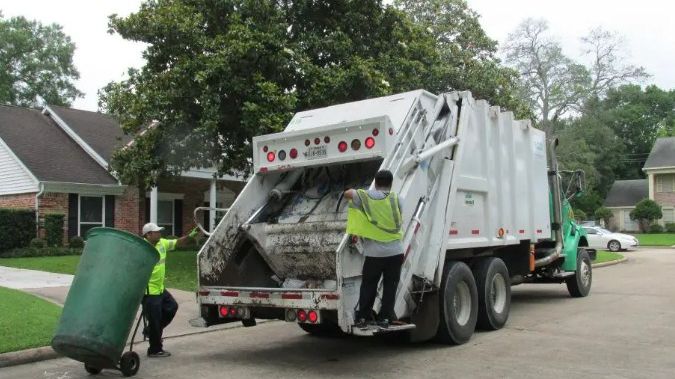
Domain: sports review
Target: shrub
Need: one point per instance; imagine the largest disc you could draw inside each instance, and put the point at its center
(655, 228)
(48, 251)
(646, 212)
(579, 215)
(670, 227)
(54, 229)
(604, 214)
(17, 227)
(37, 243)
(76, 243)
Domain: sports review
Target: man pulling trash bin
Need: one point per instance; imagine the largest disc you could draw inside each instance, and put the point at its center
(159, 307)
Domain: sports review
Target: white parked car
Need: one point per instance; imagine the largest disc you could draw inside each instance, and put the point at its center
(600, 238)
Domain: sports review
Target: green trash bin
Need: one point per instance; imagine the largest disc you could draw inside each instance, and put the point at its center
(103, 300)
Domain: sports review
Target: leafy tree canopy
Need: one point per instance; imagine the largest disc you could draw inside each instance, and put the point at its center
(37, 60)
(220, 72)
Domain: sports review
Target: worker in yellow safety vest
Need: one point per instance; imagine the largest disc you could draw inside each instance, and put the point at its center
(374, 216)
(159, 307)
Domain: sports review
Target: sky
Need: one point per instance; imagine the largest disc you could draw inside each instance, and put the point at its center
(646, 25)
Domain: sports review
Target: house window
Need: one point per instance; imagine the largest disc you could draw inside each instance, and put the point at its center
(165, 216)
(91, 213)
(668, 215)
(665, 183)
(629, 224)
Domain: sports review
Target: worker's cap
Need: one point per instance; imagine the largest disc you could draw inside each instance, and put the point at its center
(151, 227)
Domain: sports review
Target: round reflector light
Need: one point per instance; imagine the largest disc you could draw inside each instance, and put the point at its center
(307, 142)
(342, 146)
(326, 139)
(290, 315)
(317, 140)
(391, 131)
(294, 153)
(313, 317)
(376, 132)
(233, 311)
(265, 148)
(223, 311)
(270, 156)
(302, 316)
(356, 144)
(370, 142)
(282, 155)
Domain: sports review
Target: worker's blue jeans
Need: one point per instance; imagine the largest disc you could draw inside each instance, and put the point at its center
(159, 310)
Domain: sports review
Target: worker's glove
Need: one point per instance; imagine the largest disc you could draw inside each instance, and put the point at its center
(193, 233)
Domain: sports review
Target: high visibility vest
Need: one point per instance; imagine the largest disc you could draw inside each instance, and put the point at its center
(156, 283)
(378, 220)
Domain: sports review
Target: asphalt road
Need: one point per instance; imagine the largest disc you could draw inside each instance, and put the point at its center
(624, 329)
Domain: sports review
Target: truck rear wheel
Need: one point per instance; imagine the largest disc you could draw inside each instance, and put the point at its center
(494, 293)
(579, 284)
(458, 304)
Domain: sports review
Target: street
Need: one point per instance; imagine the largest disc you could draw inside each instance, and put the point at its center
(624, 328)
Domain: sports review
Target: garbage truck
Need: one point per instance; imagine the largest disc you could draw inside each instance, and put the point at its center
(484, 207)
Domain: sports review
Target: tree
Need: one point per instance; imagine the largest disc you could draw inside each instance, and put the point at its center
(607, 70)
(219, 73)
(646, 212)
(468, 55)
(37, 61)
(604, 214)
(556, 85)
(637, 116)
(551, 82)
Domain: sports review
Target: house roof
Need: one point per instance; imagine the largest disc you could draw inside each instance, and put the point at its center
(46, 150)
(100, 131)
(662, 154)
(627, 193)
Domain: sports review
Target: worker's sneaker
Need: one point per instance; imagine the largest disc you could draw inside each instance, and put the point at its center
(384, 323)
(159, 354)
(361, 323)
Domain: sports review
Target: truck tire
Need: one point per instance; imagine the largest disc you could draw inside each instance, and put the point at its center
(322, 330)
(494, 293)
(458, 304)
(579, 284)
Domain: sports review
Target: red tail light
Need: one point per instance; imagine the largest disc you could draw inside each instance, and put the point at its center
(270, 156)
(376, 132)
(317, 140)
(293, 153)
(370, 142)
(313, 317)
(223, 311)
(302, 316)
(233, 311)
(342, 146)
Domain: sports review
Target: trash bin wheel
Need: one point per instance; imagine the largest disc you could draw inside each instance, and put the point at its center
(130, 363)
(91, 369)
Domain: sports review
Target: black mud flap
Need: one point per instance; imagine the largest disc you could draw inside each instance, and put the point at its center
(592, 253)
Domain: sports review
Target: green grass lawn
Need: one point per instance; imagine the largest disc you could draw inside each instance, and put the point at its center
(181, 267)
(606, 256)
(661, 239)
(26, 321)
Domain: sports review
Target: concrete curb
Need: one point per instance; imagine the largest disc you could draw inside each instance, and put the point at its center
(27, 356)
(38, 354)
(609, 263)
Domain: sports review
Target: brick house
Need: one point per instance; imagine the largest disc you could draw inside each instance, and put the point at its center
(55, 160)
(659, 186)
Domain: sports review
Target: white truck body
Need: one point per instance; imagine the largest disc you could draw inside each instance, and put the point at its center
(470, 176)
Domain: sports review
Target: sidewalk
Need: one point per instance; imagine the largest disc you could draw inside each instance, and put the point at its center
(54, 287)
